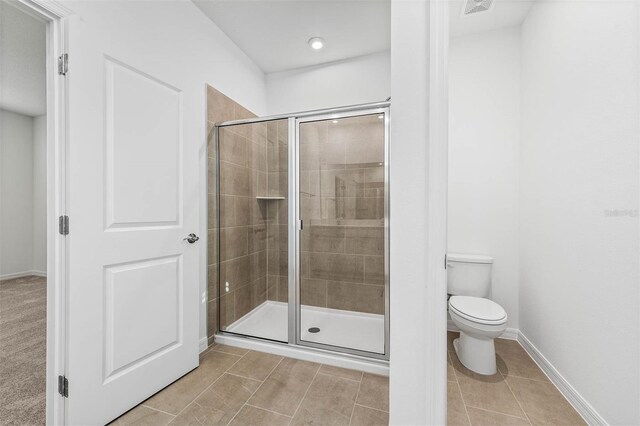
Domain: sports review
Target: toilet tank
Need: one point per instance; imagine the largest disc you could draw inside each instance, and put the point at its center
(468, 274)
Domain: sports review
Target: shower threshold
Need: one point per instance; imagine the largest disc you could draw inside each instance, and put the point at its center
(346, 329)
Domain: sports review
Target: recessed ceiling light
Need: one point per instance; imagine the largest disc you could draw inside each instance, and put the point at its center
(316, 43)
(334, 121)
(381, 116)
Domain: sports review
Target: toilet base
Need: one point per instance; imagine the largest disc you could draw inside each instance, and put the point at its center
(478, 354)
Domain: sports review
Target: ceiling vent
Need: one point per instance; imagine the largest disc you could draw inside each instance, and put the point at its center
(476, 6)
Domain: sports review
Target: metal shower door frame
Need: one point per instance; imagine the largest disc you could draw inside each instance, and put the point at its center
(295, 224)
(294, 279)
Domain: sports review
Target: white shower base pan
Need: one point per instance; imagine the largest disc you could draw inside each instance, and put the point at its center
(347, 329)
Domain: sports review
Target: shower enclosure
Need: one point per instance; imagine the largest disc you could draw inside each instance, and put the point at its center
(301, 204)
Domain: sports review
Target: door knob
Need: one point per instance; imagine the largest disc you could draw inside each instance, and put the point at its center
(191, 238)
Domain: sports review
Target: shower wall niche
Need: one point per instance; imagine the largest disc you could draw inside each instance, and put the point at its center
(252, 209)
(298, 227)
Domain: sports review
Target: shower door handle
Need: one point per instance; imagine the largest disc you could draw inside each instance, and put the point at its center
(191, 238)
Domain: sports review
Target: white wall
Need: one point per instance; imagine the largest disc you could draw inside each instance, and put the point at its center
(484, 133)
(177, 32)
(579, 269)
(180, 36)
(23, 51)
(354, 81)
(40, 194)
(16, 193)
(23, 236)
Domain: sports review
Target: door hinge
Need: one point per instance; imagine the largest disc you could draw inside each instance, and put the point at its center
(63, 386)
(63, 225)
(63, 64)
(445, 261)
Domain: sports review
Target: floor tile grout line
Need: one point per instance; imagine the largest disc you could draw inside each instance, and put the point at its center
(475, 407)
(306, 392)
(243, 377)
(497, 412)
(206, 351)
(371, 408)
(355, 402)
(257, 389)
(515, 397)
(455, 376)
(192, 402)
(228, 353)
(504, 379)
(549, 383)
(524, 378)
(318, 371)
(464, 403)
(546, 381)
(155, 409)
(266, 409)
(340, 377)
(366, 406)
(207, 388)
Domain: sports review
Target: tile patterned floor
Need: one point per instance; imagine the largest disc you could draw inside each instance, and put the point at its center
(234, 386)
(519, 394)
(238, 387)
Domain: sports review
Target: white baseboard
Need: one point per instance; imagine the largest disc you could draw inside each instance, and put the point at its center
(23, 274)
(588, 413)
(509, 333)
(203, 344)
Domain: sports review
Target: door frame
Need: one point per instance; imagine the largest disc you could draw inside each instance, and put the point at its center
(54, 14)
(419, 88)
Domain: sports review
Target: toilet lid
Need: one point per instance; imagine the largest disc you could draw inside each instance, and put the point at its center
(478, 309)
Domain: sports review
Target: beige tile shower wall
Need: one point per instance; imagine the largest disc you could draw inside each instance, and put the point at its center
(277, 211)
(342, 204)
(242, 232)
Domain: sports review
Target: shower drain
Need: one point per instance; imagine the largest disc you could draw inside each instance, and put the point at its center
(314, 330)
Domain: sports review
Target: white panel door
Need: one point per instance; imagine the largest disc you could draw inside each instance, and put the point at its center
(132, 199)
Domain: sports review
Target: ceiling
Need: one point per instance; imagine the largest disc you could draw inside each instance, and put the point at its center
(274, 33)
(503, 14)
(22, 62)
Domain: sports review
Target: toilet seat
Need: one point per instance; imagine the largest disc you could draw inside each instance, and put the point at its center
(478, 310)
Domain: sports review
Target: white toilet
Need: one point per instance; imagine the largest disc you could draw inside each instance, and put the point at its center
(479, 319)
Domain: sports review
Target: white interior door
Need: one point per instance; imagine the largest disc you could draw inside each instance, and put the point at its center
(132, 198)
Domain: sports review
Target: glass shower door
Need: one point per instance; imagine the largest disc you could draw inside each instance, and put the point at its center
(251, 255)
(343, 244)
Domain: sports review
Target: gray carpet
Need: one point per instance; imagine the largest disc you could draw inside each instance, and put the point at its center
(23, 332)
